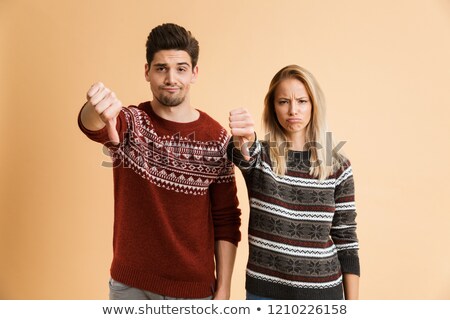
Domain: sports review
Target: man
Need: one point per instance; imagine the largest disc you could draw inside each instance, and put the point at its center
(176, 207)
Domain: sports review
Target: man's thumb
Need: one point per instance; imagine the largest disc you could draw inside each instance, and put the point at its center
(113, 135)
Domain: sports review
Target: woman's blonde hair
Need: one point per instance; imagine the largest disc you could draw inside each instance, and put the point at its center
(316, 130)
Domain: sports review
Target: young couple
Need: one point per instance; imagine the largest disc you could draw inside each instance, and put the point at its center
(176, 220)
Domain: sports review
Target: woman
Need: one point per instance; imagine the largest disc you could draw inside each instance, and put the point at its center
(302, 239)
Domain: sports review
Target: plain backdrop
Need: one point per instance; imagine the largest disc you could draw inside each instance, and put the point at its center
(384, 67)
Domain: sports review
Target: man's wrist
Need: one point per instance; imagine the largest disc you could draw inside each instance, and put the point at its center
(222, 294)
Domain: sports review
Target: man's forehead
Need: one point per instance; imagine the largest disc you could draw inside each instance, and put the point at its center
(168, 57)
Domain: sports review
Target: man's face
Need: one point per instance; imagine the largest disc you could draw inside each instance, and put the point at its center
(170, 75)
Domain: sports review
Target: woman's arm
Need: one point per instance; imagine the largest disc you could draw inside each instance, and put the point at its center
(351, 286)
(242, 130)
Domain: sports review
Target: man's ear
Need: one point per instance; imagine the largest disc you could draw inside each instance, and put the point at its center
(147, 70)
(194, 74)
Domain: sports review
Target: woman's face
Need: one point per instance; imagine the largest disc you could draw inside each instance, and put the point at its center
(292, 107)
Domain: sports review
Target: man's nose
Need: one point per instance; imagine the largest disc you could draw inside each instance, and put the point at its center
(170, 77)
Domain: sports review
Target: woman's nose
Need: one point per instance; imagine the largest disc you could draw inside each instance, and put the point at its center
(292, 108)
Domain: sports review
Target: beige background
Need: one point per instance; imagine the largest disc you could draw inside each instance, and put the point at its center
(385, 69)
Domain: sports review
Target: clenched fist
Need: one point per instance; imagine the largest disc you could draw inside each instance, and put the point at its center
(106, 106)
(242, 129)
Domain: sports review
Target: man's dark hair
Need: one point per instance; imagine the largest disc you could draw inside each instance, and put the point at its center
(169, 36)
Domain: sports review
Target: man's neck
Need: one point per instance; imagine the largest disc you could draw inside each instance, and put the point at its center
(183, 113)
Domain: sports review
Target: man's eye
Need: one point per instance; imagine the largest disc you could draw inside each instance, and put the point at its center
(182, 70)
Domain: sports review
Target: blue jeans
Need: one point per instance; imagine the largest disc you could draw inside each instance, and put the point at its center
(251, 296)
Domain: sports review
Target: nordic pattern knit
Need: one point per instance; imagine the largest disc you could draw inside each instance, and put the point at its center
(301, 230)
(175, 195)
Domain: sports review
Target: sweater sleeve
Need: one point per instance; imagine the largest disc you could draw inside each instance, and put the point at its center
(343, 229)
(101, 136)
(235, 155)
(224, 205)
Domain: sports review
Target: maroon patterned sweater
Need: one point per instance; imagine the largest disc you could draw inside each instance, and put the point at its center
(175, 195)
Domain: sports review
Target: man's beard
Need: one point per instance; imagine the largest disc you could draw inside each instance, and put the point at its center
(169, 101)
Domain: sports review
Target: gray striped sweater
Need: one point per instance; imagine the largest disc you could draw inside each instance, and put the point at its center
(302, 231)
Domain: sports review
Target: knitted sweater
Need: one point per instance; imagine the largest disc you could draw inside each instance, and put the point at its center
(301, 230)
(174, 196)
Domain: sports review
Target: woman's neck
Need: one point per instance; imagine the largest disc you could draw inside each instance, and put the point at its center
(298, 141)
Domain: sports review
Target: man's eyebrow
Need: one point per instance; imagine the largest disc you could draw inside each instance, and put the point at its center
(165, 64)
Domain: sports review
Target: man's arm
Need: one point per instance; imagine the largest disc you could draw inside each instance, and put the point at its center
(100, 110)
(226, 220)
(225, 253)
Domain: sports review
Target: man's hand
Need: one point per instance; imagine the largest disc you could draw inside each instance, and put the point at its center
(107, 106)
(242, 129)
(221, 295)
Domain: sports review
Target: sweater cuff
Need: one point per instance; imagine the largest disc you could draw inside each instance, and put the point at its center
(231, 234)
(234, 241)
(350, 264)
(255, 148)
(234, 154)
